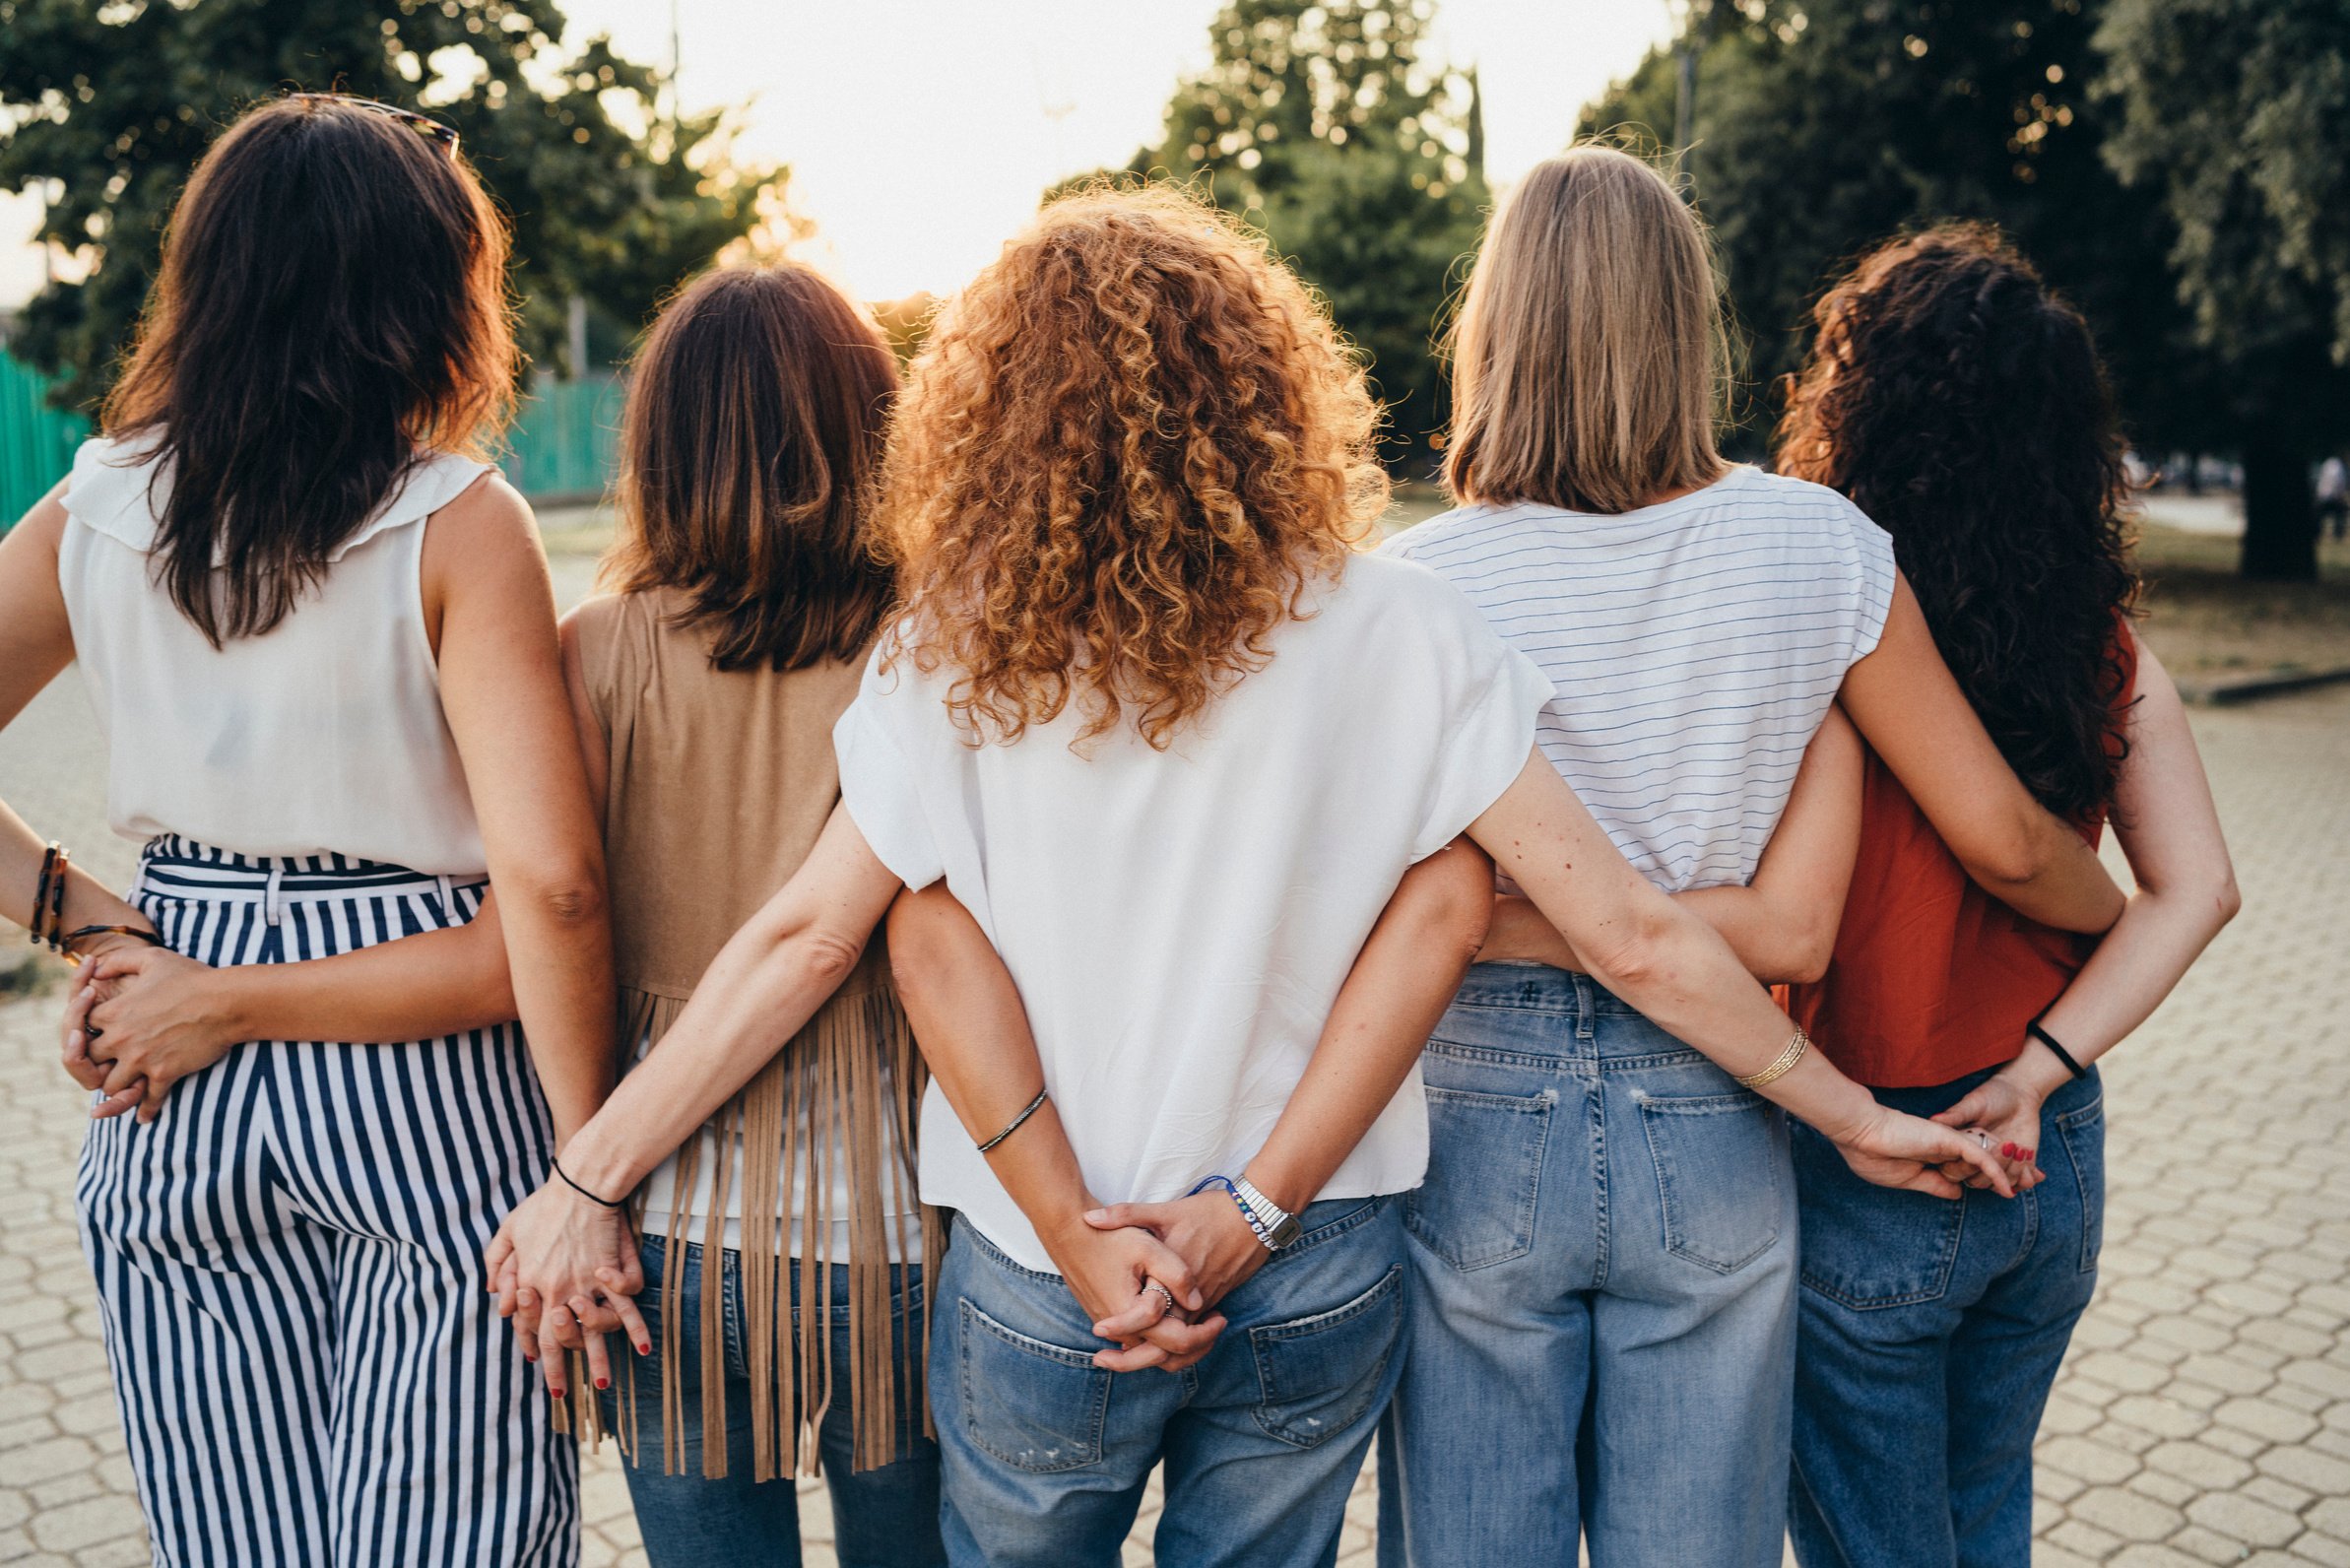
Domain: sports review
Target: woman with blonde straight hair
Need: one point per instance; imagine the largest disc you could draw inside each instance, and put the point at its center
(1604, 1252)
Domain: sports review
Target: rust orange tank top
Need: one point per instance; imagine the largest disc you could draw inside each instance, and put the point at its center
(1932, 978)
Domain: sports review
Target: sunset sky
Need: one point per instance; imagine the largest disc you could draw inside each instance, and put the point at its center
(920, 132)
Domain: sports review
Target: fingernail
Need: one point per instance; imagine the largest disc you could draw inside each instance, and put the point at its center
(1097, 1214)
(645, 1349)
(2029, 1152)
(603, 1383)
(2008, 1150)
(555, 1394)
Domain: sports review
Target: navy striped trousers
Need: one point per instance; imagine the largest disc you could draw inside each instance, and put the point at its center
(289, 1260)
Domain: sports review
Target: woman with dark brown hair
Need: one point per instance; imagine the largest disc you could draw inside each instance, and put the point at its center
(318, 633)
(1182, 782)
(1959, 401)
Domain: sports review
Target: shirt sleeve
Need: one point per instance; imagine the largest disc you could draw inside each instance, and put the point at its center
(1493, 694)
(1873, 572)
(879, 782)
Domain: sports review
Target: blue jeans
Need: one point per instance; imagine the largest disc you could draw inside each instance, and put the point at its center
(1046, 1454)
(1930, 1333)
(1602, 1313)
(885, 1518)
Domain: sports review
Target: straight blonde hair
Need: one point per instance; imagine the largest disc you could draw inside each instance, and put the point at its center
(1590, 360)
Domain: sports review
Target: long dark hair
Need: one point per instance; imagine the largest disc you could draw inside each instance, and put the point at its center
(1960, 403)
(748, 454)
(332, 306)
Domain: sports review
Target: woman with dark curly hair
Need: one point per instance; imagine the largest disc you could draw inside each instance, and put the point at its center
(1180, 779)
(1961, 405)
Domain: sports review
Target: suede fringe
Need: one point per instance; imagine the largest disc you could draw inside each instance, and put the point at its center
(827, 1090)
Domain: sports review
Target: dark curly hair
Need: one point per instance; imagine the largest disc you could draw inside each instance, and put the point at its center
(1960, 403)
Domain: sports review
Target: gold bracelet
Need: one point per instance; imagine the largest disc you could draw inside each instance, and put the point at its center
(1781, 1068)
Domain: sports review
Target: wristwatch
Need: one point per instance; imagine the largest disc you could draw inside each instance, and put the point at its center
(1277, 1227)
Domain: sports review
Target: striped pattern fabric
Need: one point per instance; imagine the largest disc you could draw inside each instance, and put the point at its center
(1695, 646)
(289, 1260)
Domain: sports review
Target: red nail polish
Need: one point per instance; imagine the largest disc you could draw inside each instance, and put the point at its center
(2007, 1150)
(555, 1394)
(645, 1349)
(603, 1383)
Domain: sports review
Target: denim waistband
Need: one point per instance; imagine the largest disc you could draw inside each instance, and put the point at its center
(1538, 988)
(173, 866)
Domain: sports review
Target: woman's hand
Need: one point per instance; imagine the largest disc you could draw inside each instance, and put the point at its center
(1118, 1277)
(1892, 1150)
(143, 1018)
(2007, 1110)
(546, 1265)
(1207, 1231)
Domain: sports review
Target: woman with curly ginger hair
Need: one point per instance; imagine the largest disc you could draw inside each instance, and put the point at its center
(1179, 781)
(1961, 403)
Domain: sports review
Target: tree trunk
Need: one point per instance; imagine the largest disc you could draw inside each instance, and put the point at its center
(2280, 512)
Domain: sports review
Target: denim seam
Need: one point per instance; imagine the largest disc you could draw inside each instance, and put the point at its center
(1597, 1118)
(1353, 1220)
(2092, 1228)
(1089, 1446)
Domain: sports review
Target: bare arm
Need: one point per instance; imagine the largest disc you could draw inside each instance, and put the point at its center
(489, 598)
(1667, 964)
(1908, 708)
(2169, 829)
(1783, 924)
(36, 642)
(975, 1036)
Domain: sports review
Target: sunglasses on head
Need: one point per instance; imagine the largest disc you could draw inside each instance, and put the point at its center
(432, 130)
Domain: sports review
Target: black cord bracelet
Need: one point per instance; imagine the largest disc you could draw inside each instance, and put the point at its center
(1014, 1125)
(2034, 1029)
(582, 1191)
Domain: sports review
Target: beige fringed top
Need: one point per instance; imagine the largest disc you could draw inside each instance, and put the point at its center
(718, 785)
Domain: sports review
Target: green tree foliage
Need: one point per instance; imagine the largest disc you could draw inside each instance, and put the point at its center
(1325, 122)
(2237, 114)
(1823, 126)
(113, 105)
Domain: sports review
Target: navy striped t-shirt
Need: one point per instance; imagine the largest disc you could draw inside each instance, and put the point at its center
(1695, 646)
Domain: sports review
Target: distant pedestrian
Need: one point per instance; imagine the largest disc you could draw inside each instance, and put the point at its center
(1961, 404)
(2333, 496)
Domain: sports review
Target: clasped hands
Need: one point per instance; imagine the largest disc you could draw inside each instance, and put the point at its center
(1151, 1275)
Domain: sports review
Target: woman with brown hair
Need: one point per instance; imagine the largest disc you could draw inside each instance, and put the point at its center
(1604, 1254)
(318, 632)
(1195, 771)
(1950, 392)
(783, 1259)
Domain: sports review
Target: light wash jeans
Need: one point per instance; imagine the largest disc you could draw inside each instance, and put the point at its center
(1046, 1455)
(884, 1518)
(1931, 1335)
(1602, 1296)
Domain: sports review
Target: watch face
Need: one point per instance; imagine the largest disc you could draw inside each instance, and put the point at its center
(1286, 1233)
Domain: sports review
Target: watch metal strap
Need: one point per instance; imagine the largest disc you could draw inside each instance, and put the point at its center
(1279, 1227)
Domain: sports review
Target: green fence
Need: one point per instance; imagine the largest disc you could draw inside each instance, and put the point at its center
(37, 441)
(562, 445)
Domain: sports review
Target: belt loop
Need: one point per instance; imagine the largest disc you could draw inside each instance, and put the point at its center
(269, 898)
(1584, 1006)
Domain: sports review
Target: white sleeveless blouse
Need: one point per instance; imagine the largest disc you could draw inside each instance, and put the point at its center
(323, 736)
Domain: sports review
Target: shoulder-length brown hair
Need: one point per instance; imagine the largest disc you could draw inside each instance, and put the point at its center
(332, 306)
(748, 454)
(1129, 447)
(1589, 358)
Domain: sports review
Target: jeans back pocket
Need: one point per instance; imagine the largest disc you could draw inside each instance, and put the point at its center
(1477, 1206)
(1318, 1375)
(1036, 1407)
(1865, 1246)
(2083, 1131)
(1717, 1175)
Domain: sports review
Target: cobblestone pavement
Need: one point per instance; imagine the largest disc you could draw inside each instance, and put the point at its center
(2202, 1417)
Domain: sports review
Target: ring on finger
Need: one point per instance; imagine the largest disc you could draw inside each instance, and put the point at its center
(1982, 1138)
(1165, 1296)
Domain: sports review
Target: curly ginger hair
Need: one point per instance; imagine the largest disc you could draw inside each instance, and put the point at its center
(1127, 449)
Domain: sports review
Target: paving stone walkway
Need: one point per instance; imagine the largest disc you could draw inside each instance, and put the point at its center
(2202, 1417)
